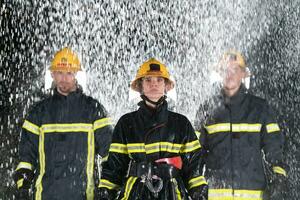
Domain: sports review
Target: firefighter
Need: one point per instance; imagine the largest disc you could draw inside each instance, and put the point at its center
(154, 152)
(237, 130)
(61, 137)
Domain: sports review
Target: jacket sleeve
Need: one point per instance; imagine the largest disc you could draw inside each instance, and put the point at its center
(28, 144)
(115, 168)
(273, 142)
(191, 154)
(102, 126)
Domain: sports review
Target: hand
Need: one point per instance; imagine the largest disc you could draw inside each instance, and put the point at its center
(26, 175)
(275, 188)
(199, 193)
(22, 194)
(105, 194)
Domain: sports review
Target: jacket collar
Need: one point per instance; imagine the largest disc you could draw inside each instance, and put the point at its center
(156, 116)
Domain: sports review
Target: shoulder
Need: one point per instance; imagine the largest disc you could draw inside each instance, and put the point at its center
(257, 100)
(178, 116)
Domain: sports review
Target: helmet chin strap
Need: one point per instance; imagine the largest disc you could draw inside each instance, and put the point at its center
(157, 103)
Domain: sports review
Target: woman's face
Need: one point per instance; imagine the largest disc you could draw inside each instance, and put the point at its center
(153, 87)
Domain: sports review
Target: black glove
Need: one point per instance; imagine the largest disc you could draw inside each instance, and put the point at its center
(26, 175)
(22, 194)
(105, 194)
(275, 188)
(199, 193)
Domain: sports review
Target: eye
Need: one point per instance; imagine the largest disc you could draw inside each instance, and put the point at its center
(160, 79)
(147, 79)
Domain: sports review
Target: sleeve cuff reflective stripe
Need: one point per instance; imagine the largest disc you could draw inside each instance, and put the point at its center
(100, 123)
(107, 184)
(279, 170)
(20, 183)
(194, 182)
(31, 127)
(191, 146)
(24, 165)
(272, 128)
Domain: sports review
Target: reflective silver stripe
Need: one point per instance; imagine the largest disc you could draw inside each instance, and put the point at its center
(130, 182)
(24, 165)
(225, 127)
(198, 134)
(118, 148)
(191, 146)
(219, 194)
(272, 128)
(20, 183)
(107, 184)
(194, 182)
(38, 183)
(100, 123)
(31, 127)
(136, 148)
(76, 127)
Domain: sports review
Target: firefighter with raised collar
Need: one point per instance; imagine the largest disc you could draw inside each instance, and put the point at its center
(154, 152)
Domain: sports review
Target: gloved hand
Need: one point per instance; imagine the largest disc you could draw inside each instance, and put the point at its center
(22, 194)
(275, 188)
(23, 179)
(199, 193)
(105, 194)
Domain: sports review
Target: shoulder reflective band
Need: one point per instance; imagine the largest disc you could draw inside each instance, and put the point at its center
(225, 127)
(272, 128)
(218, 194)
(279, 170)
(31, 127)
(195, 182)
(100, 123)
(130, 182)
(107, 184)
(24, 165)
(76, 127)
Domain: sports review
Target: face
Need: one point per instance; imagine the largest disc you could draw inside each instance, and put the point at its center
(232, 76)
(64, 81)
(153, 87)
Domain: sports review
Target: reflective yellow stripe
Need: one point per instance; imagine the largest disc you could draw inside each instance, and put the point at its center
(31, 127)
(90, 166)
(24, 165)
(194, 182)
(191, 146)
(107, 184)
(20, 183)
(38, 184)
(178, 194)
(198, 134)
(272, 128)
(246, 127)
(279, 170)
(229, 194)
(100, 123)
(76, 127)
(225, 127)
(154, 147)
(118, 148)
(130, 182)
(162, 146)
(222, 127)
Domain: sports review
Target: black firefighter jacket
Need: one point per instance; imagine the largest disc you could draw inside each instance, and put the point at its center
(233, 132)
(59, 141)
(145, 136)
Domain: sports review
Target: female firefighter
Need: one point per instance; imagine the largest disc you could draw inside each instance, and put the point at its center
(154, 152)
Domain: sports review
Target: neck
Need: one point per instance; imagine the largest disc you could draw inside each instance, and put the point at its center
(230, 93)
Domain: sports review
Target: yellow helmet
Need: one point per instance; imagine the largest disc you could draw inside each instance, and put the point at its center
(151, 67)
(233, 56)
(65, 60)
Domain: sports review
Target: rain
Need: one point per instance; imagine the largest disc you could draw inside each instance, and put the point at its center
(112, 39)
